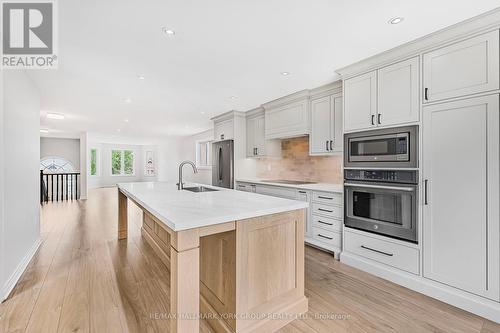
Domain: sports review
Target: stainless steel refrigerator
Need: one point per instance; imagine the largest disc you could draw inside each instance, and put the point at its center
(223, 163)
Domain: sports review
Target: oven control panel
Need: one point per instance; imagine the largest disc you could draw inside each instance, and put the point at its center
(386, 176)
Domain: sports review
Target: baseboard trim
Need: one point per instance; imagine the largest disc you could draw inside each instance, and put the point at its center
(14, 278)
(478, 305)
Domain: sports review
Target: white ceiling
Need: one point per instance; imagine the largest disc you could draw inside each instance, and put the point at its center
(221, 48)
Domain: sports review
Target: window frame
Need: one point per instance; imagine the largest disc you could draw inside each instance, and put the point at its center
(197, 146)
(122, 163)
(97, 162)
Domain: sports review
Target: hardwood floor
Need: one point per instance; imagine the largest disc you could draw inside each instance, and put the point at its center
(83, 279)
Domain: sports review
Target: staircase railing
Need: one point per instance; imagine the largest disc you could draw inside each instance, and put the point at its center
(59, 186)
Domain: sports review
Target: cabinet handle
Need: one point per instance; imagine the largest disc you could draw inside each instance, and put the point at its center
(303, 192)
(256, 151)
(378, 251)
(241, 185)
(331, 142)
(325, 210)
(325, 222)
(425, 191)
(222, 136)
(426, 94)
(329, 238)
(327, 198)
(373, 119)
(326, 142)
(378, 119)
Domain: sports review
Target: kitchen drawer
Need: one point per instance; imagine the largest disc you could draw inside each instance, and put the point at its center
(326, 210)
(275, 191)
(329, 238)
(326, 223)
(396, 255)
(328, 198)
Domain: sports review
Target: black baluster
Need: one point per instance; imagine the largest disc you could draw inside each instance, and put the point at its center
(76, 187)
(52, 188)
(66, 187)
(41, 186)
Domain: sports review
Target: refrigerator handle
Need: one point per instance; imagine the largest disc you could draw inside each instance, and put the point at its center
(220, 163)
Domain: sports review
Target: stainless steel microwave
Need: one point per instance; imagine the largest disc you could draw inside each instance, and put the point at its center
(386, 148)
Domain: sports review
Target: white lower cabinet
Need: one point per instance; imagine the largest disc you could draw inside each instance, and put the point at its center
(461, 194)
(383, 251)
(324, 217)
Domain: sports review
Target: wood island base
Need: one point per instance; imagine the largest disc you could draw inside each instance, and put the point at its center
(241, 276)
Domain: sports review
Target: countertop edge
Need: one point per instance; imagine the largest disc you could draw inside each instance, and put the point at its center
(321, 187)
(213, 221)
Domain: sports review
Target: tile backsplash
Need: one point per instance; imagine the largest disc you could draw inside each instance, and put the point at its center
(296, 164)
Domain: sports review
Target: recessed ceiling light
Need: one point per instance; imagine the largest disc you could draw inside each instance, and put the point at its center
(141, 77)
(285, 73)
(44, 130)
(396, 20)
(202, 112)
(167, 31)
(233, 97)
(127, 100)
(118, 130)
(58, 116)
(125, 120)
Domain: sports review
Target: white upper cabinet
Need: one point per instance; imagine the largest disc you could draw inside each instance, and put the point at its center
(257, 145)
(399, 93)
(461, 194)
(287, 117)
(326, 125)
(467, 67)
(360, 98)
(223, 130)
(321, 121)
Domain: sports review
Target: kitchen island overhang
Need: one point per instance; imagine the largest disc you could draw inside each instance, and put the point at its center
(236, 259)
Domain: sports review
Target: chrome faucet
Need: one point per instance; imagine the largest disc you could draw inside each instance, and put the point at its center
(180, 184)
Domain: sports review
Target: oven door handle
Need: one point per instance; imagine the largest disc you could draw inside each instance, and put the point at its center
(395, 188)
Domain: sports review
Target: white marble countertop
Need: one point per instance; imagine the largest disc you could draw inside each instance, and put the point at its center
(325, 187)
(182, 210)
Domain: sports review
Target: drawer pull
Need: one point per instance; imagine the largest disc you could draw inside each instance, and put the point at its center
(378, 251)
(303, 192)
(241, 186)
(325, 210)
(327, 198)
(325, 222)
(329, 238)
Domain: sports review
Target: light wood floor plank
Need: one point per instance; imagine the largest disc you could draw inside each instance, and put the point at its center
(83, 280)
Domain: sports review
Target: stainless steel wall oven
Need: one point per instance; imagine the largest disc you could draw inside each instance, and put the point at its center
(382, 201)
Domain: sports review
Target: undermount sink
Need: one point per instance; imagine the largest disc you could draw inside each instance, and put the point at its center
(199, 189)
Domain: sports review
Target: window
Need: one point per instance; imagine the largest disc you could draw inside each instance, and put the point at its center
(56, 165)
(203, 154)
(122, 162)
(93, 162)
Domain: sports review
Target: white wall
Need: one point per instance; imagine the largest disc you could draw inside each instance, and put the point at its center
(21, 149)
(57, 147)
(187, 151)
(2, 187)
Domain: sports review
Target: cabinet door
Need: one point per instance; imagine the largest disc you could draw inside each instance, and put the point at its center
(251, 138)
(259, 134)
(463, 68)
(223, 130)
(287, 120)
(398, 93)
(461, 175)
(360, 95)
(303, 195)
(337, 132)
(321, 123)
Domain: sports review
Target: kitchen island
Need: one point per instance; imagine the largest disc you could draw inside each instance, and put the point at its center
(236, 259)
